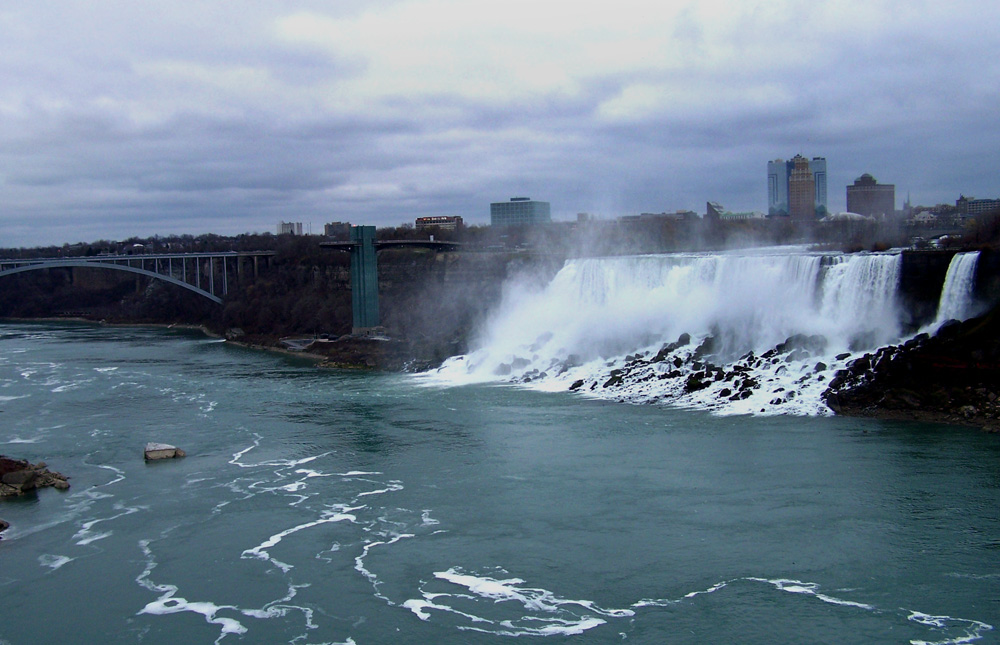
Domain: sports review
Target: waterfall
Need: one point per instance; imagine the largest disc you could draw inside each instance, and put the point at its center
(956, 295)
(608, 327)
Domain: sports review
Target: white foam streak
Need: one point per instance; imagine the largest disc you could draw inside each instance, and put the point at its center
(54, 561)
(548, 613)
(86, 535)
(974, 628)
(169, 603)
(811, 589)
(260, 551)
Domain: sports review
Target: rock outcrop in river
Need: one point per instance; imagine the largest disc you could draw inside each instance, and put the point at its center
(18, 476)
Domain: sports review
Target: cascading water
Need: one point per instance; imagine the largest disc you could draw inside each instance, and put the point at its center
(753, 332)
(956, 295)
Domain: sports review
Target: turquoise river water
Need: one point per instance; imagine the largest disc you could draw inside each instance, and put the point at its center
(348, 507)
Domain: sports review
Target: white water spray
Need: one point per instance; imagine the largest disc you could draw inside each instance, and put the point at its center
(602, 326)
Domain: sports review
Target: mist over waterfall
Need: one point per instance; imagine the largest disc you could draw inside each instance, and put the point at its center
(747, 332)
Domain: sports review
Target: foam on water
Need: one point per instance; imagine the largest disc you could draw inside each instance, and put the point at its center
(548, 614)
(373, 529)
(605, 326)
(339, 514)
(86, 534)
(54, 561)
(953, 630)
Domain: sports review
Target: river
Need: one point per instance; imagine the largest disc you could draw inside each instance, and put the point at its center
(320, 506)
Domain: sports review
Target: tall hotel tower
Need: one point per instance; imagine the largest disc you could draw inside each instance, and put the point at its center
(793, 183)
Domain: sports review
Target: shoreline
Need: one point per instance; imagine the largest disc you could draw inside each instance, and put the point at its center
(182, 326)
(327, 361)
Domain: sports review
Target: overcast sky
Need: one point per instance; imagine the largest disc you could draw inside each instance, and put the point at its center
(121, 118)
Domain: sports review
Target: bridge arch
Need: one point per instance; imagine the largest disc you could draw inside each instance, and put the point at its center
(53, 264)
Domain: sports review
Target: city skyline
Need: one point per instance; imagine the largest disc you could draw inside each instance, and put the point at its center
(121, 120)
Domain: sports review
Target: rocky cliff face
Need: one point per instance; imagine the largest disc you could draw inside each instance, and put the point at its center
(953, 376)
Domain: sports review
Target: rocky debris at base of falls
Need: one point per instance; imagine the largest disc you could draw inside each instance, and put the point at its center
(952, 377)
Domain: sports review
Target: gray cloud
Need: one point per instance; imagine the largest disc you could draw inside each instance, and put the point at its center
(122, 119)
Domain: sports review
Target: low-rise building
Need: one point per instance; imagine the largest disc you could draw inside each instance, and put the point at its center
(443, 222)
(293, 228)
(972, 206)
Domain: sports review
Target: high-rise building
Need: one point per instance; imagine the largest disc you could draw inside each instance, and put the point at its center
(818, 167)
(777, 188)
(519, 211)
(801, 190)
(779, 177)
(868, 197)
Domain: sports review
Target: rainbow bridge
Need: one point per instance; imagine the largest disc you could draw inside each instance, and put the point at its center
(207, 274)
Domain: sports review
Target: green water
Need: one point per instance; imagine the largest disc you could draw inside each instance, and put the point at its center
(342, 507)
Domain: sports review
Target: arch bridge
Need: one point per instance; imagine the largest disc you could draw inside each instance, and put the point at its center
(207, 274)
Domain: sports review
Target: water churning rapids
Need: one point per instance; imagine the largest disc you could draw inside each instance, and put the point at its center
(735, 333)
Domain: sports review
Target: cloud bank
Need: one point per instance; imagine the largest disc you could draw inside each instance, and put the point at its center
(121, 119)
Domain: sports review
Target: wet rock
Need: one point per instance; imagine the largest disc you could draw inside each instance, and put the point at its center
(576, 385)
(860, 365)
(844, 356)
(725, 392)
(4, 526)
(18, 476)
(707, 347)
(950, 329)
(694, 383)
(23, 479)
(155, 451)
(797, 355)
(820, 367)
(616, 379)
(683, 339)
